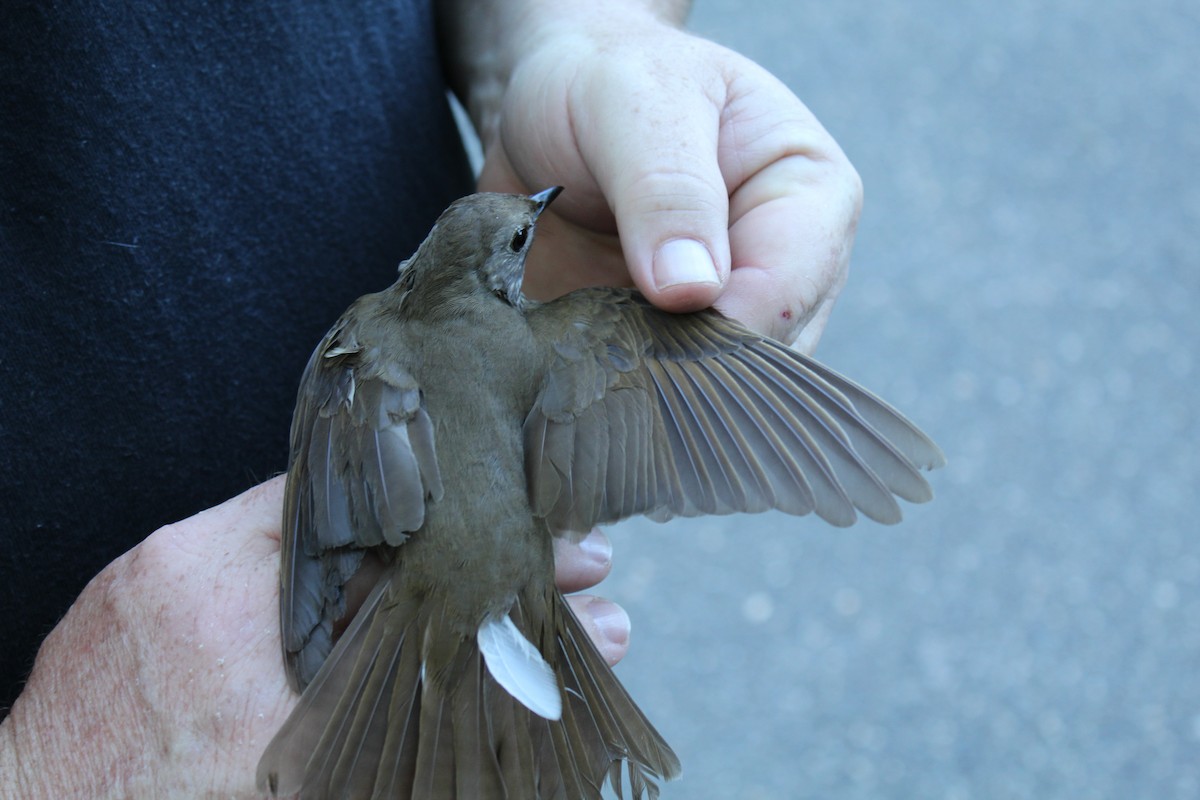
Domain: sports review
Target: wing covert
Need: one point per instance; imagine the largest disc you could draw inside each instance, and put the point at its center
(362, 468)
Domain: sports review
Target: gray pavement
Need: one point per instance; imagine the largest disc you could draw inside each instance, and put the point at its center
(1025, 285)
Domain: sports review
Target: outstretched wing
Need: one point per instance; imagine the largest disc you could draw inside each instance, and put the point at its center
(362, 466)
(646, 412)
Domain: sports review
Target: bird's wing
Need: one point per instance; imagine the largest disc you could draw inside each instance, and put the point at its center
(361, 470)
(646, 412)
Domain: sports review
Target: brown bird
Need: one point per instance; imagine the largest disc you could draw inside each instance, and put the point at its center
(452, 427)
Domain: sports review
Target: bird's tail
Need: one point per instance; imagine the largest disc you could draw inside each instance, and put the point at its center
(379, 720)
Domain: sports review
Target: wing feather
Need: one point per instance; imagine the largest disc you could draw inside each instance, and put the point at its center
(642, 411)
(362, 468)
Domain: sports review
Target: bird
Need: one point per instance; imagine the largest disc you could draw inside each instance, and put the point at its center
(448, 428)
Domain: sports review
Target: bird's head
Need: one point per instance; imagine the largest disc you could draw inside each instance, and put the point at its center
(478, 244)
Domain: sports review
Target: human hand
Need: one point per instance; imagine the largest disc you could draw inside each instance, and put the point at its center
(724, 188)
(165, 678)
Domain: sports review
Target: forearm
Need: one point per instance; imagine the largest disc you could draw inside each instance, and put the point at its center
(43, 754)
(14, 780)
(482, 43)
(74, 731)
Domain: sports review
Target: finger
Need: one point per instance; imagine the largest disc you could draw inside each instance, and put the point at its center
(790, 260)
(583, 563)
(605, 622)
(810, 334)
(793, 212)
(650, 137)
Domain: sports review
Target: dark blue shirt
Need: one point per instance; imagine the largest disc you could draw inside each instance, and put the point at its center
(190, 193)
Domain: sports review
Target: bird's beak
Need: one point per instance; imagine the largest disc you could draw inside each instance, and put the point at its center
(545, 197)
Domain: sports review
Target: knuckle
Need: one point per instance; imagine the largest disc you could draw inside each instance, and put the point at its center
(671, 184)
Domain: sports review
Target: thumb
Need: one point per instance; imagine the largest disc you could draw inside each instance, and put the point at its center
(656, 162)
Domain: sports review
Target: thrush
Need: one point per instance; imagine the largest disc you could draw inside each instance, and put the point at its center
(450, 428)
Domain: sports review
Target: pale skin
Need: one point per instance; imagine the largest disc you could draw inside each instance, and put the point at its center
(165, 678)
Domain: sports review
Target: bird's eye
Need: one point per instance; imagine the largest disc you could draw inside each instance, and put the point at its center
(519, 239)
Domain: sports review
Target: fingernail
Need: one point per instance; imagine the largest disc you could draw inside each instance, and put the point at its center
(597, 547)
(683, 261)
(611, 619)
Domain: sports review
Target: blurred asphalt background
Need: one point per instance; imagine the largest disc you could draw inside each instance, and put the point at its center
(1025, 286)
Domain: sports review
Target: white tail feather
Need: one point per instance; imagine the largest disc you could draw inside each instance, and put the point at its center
(517, 666)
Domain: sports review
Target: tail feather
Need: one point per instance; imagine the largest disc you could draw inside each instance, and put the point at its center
(589, 754)
(571, 782)
(359, 749)
(373, 724)
(513, 727)
(435, 775)
(398, 755)
(478, 768)
(297, 748)
(621, 725)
